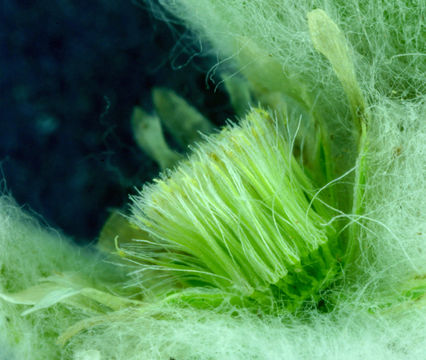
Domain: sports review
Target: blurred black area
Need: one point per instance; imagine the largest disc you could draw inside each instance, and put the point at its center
(70, 75)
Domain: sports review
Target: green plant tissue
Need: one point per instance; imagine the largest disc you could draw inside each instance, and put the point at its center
(345, 82)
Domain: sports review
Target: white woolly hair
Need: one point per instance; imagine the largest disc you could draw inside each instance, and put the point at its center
(30, 252)
(386, 38)
(196, 334)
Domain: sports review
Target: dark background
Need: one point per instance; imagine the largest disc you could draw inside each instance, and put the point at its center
(70, 74)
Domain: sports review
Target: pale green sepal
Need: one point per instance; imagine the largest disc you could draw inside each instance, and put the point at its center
(183, 121)
(67, 289)
(41, 296)
(329, 40)
(149, 136)
(239, 93)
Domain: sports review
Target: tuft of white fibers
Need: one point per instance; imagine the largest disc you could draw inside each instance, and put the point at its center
(199, 334)
(29, 253)
(393, 238)
(386, 37)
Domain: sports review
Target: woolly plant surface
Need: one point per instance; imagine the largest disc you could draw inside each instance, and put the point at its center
(296, 233)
